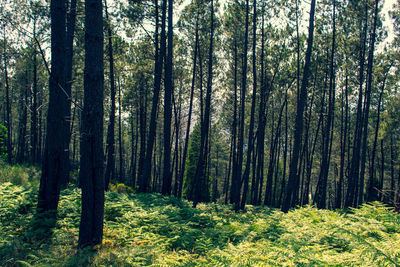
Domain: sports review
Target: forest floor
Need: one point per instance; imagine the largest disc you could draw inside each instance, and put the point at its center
(151, 229)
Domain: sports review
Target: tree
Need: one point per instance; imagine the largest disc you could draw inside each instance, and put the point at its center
(8, 101)
(159, 55)
(169, 90)
(201, 182)
(110, 145)
(92, 156)
(298, 131)
(55, 161)
(328, 133)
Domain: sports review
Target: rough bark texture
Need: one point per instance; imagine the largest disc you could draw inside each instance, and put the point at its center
(54, 167)
(92, 155)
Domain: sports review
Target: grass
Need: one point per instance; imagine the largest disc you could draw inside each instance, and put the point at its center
(150, 229)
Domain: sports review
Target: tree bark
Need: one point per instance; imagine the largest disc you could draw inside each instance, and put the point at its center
(110, 145)
(239, 162)
(189, 120)
(55, 168)
(250, 143)
(169, 90)
(145, 174)
(8, 103)
(321, 197)
(200, 187)
(367, 103)
(298, 132)
(351, 196)
(92, 154)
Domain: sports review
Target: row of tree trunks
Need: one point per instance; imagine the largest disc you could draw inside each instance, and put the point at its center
(289, 198)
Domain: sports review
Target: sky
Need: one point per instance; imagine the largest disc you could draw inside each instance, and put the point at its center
(387, 6)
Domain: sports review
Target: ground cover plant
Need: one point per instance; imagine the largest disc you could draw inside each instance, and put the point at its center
(151, 229)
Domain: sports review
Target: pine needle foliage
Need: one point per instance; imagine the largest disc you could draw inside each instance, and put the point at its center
(155, 230)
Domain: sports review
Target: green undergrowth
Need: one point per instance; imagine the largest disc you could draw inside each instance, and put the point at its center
(25, 175)
(150, 229)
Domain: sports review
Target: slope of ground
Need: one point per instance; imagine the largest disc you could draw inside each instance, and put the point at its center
(150, 229)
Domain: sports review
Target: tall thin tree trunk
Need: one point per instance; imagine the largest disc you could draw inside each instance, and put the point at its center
(298, 132)
(234, 183)
(34, 109)
(145, 175)
(110, 145)
(200, 186)
(169, 90)
(261, 124)
(343, 140)
(121, 177)
(250, 143)
(22, 121)
(189, 120)
(351, 196)
(239, 162)
(372, 190)
(382, 173)
(70, 32)
(367, 103)
(8, 102)
(321, 195)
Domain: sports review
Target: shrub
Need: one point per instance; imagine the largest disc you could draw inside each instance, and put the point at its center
(18, 174)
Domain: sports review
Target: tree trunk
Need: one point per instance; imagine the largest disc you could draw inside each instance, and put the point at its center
(367, 103)
(110, 145)
(121, 177)
(201, 186)
(351, 196)
(91, 171)
(22, 122)
(321, 196)
(343, 140)
(372, 191)
(8, 103)
(34, 109)
(189, 120)
(169, 90)
(298, 132)
(145, 174)
(55, 167)
(250, 143)
(234, 129)
(239, 162)
(261, 125)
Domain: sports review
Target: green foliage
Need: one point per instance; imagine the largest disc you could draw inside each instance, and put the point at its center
(3, 142)
(151, 229)
(18, 174)
(120, 188)
(191, 162)
(191, 165)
